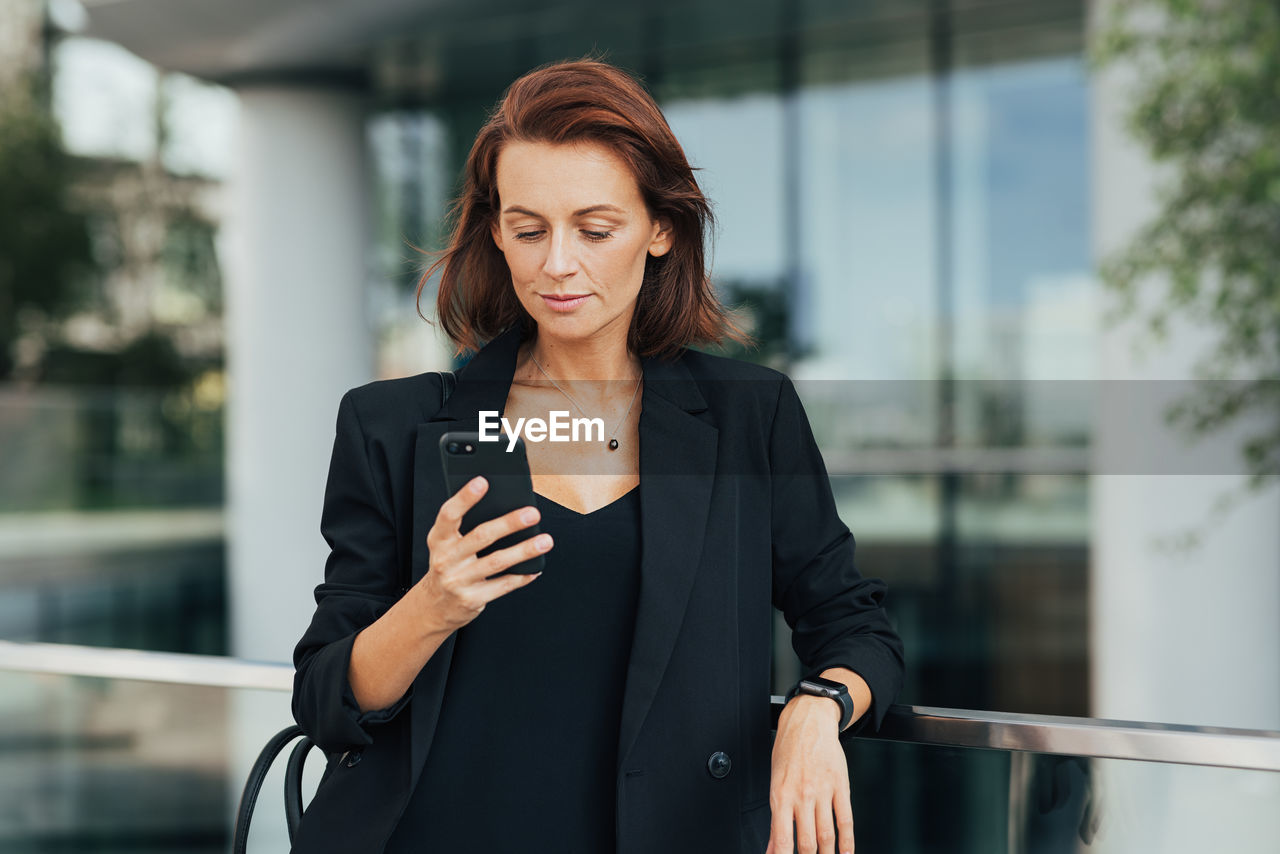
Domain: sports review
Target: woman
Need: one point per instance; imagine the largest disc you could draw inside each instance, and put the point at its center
(619, 700)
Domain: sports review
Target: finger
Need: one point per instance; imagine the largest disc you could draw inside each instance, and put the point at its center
(844, 822)
(449, 517)
(504, 584)
(781, 835)
(487, 533)
(824, 826)
(511, 555)
(806, 835)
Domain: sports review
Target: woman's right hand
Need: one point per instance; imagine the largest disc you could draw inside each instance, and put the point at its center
(457, 585)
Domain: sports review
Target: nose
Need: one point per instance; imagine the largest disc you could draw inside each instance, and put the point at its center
(560, 261)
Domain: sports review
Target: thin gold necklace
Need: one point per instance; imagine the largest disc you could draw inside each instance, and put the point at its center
(613, 442)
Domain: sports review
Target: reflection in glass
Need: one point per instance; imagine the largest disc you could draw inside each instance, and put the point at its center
(912, 798)
(117, 766)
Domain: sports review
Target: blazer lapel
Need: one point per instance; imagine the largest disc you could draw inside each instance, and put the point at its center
(677, 464)
(483, 383)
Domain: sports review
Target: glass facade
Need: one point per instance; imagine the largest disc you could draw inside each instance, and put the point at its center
(902, 196)
(117, 766)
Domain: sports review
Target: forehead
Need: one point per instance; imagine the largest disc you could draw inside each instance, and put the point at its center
(570, 176)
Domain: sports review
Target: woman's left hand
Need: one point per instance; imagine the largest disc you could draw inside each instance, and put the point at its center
(809, 783)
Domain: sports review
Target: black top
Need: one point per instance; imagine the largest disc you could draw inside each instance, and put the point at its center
(536, 682)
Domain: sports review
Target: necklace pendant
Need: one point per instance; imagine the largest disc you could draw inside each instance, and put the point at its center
(613, 444)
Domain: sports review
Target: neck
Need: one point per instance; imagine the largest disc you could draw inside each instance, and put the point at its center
(569, 361)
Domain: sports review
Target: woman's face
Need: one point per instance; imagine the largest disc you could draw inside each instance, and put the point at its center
(575, 232)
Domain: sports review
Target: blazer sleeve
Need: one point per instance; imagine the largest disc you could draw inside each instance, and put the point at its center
(836, 616)
(360, 583)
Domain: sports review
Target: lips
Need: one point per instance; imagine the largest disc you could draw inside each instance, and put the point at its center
(564, 302)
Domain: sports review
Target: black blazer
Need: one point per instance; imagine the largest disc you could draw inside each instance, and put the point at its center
(737, 515)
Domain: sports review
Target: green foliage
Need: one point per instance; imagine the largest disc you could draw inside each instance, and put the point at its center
(190, 259)
(148, 361)
(764, 311)
(1206, 104)
(45, 259)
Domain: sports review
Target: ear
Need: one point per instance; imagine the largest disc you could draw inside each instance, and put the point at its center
(663, 237)
(496, 232)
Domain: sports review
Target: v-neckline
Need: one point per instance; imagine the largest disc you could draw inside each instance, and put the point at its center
(592, 512)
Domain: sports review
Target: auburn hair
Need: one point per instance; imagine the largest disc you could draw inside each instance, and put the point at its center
(574, 101)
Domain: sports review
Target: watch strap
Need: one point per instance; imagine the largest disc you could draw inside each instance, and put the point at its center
(829, 688)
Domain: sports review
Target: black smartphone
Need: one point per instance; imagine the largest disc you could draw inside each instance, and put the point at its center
(510, 487)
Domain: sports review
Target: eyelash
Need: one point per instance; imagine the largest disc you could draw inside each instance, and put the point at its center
(594, 236)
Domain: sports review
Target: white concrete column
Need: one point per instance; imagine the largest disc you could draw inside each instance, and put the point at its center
(298, 336)
(1185, 637)
(1188, 636)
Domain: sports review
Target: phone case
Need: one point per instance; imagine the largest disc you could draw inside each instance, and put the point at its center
(510, 487)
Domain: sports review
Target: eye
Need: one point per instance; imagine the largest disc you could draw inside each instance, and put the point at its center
(594, 236)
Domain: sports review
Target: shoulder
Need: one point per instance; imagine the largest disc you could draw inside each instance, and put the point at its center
(712, 367)
(738, 386)
(392, 405)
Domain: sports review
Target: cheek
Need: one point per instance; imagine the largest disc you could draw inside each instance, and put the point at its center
(625, 267)
(523, 264)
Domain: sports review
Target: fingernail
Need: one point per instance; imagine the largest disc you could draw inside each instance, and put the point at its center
(543, 542)
(477, 485)
(530, 515)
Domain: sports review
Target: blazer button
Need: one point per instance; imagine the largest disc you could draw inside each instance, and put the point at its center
(353, 758)
(719, 764)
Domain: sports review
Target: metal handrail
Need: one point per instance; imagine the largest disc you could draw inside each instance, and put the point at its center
(143, 666)
(1097, 738)
(1066, 736)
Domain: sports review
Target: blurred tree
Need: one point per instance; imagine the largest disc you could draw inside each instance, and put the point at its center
(45, 258)
(763, 311)
(148, 361)
(1206, 102)
(190, 258)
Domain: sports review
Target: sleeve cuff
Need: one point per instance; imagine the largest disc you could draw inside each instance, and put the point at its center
(326, 707)
(881, 679)
(375, 716)
(372, 717)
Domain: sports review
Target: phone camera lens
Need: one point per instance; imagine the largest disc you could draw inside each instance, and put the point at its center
(453, 447)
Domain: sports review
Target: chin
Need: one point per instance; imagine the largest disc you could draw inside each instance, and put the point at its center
(565, 327)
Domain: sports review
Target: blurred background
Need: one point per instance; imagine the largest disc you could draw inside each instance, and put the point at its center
(1021, 257)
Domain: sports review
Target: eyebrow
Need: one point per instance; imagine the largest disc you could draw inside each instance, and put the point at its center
(581, 212)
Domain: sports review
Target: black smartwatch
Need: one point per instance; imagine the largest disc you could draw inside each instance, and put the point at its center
(821, 687)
